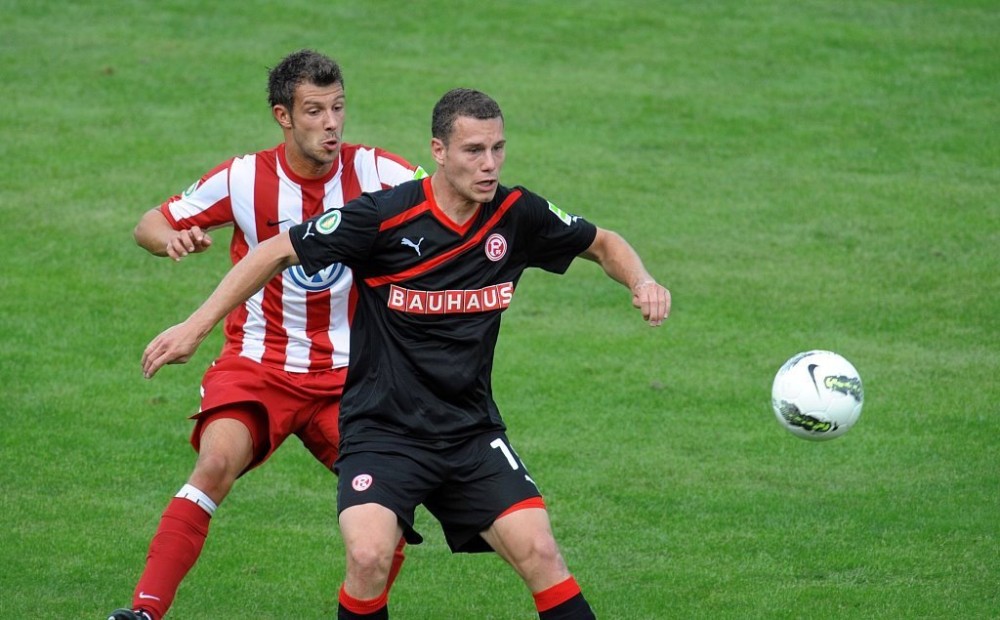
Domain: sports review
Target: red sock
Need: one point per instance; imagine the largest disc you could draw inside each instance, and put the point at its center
(559, 593)
(563, 601)
(350, 607)
(397, 563)
(172, 552)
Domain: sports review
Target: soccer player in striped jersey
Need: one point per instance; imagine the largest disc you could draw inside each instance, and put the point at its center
(282, 368)
(436, 262)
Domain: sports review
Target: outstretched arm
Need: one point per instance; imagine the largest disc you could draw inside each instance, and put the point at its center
(177, 344)
(620, 261)
(155, 234)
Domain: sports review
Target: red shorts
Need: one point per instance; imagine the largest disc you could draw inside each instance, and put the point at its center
(273, 404)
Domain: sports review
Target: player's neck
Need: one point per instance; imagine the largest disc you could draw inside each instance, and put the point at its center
(306, 167)
(456, 207)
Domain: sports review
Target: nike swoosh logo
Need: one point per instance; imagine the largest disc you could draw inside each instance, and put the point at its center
(273, 223)
(812, 373)
(143, 595)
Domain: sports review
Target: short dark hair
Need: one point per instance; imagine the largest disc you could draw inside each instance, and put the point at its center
(461, 102)
(299, 67)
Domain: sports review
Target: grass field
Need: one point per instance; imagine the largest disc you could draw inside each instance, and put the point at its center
(801, 174)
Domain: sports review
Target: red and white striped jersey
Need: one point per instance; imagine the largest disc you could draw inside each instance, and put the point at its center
(297, 323)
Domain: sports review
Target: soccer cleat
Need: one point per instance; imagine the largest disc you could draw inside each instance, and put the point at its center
(129, 614)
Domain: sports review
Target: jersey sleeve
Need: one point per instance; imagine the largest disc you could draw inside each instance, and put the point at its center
(206, 203)
(556, 237)
(393, 169)
(344, 235)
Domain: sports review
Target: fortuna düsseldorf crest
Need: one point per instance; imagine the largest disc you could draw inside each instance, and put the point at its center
(496, 247)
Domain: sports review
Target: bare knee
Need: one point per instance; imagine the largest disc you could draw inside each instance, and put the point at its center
(371, 533)
(524, 539)
(369, 562)
(546, 550)
(214, 475)
(226, 451)
(539, 552)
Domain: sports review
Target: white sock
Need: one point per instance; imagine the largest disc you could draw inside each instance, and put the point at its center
(195, 495)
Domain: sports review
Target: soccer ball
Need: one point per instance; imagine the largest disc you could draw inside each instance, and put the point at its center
(817, 395)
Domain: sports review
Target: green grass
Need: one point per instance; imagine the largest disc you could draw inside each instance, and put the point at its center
(802, 175)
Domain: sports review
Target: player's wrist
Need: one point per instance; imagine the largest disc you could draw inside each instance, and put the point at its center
(643, 283)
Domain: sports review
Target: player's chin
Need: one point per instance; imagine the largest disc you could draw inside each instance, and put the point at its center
(327, 152)
(484, 192)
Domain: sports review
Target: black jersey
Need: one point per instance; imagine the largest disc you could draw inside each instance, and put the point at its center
(430, 297)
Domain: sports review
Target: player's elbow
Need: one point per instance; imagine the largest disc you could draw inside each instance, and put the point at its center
(279, 251)
(604, 245)
(137, 234)
(146, 234)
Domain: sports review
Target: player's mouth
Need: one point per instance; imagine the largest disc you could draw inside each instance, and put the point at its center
(487, 185)
(330, 145)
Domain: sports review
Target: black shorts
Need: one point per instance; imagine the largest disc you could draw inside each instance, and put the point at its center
(465, 486)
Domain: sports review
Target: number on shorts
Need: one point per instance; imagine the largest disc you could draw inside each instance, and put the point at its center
(499, 444)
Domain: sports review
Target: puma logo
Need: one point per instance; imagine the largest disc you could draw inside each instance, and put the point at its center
(415, 246)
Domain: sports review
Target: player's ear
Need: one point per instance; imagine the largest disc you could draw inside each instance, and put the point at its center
(438, 149)
(282, 115)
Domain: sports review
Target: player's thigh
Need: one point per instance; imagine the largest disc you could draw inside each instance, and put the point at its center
(370, 532)
(396, 481)
(488, 478)
(235, 388)
(228, 439)
(523, 535)
(523, 538)
(317, 422)
(321, 433)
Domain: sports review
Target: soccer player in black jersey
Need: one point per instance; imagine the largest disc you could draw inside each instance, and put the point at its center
(435, 262)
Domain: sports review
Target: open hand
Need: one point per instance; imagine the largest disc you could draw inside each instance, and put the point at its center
(175, 345)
